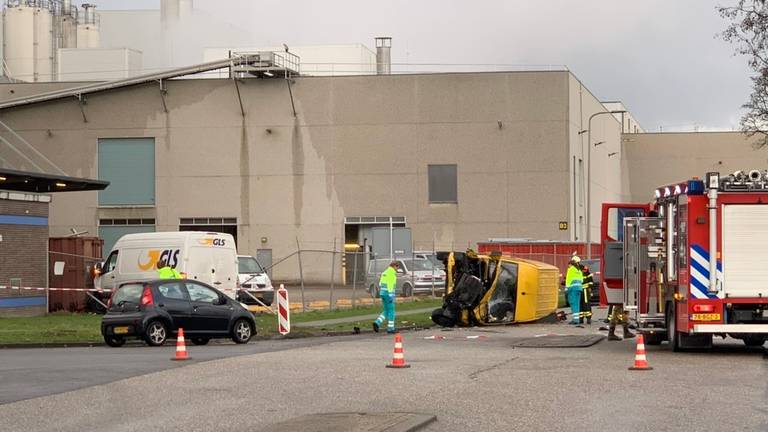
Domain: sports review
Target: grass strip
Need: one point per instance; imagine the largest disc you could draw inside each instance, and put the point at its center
(64, 327)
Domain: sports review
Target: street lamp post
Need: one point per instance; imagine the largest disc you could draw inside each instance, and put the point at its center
(589, 177)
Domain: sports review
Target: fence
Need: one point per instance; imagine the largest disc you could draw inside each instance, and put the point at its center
(335, 278)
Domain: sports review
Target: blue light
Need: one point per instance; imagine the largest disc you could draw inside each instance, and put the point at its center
(695, 187)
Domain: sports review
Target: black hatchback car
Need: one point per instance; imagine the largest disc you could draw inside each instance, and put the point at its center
(154, 311)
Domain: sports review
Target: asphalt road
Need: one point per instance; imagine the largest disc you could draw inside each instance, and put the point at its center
(477, 384)
(28, 373)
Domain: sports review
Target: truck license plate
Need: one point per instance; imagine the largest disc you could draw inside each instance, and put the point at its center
(120, 330)
(705, 317)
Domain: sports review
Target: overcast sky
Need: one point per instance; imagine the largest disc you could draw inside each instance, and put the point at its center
(662, 58)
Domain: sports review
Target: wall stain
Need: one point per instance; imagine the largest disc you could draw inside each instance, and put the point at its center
(245, 177)
(297, 158)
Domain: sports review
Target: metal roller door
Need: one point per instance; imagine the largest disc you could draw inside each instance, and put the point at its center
(745, 250)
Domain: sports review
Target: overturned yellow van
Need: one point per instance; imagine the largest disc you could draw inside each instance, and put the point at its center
(494, 289)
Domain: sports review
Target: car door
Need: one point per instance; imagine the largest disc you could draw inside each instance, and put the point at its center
(209, 314)
(174, 300)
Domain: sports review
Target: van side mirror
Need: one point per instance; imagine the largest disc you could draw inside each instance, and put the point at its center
(96, 270)
(401, 271)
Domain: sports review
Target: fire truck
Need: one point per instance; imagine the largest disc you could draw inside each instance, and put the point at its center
(692, 263)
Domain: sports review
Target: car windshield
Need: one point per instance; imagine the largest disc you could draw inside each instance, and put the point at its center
(249, 265)
(418, 265)
(128, 293)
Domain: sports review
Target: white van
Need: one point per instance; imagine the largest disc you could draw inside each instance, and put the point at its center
(255, 281)
(205, 256)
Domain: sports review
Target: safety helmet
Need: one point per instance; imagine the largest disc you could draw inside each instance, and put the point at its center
(575, 259)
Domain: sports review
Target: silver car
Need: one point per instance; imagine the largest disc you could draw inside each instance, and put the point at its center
(414, 276)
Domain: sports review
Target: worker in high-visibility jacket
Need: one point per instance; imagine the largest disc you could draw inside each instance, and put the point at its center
(585, 308)
(164, 271)
(573, 288)
(387, 291)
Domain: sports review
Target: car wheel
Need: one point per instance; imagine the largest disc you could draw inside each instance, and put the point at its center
(156, 333)
(200, 341)
(114, 341)
(407, 290)
(242, 331)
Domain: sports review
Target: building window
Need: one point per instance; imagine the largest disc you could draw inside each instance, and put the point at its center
(128, 164)
(443, 184)
(110, 230)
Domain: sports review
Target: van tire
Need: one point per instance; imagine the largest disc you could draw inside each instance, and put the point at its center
(156, 333)
(407, 290)
(374, 291)
(242, 331)
(114, 341)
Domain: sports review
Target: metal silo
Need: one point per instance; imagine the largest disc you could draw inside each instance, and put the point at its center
(88, 35)
(43, 43)
(383, 55)
(19, 40)
(67, 25)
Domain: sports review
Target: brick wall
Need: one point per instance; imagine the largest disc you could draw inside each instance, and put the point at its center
(23, 253)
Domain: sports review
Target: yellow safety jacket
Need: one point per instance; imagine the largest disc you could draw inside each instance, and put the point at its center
(168, 273)
(573, 278)
(388, 281)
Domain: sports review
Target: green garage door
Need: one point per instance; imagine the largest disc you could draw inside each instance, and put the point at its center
(128, 164)
(110, 234)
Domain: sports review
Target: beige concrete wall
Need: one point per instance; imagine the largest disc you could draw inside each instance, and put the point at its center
(656, 159)
(359, 146)
(604, 173)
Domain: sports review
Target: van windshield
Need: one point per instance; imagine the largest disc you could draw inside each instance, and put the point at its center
(249, 265)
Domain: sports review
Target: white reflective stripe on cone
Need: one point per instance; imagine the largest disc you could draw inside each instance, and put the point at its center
(640, 357)
(398, 355)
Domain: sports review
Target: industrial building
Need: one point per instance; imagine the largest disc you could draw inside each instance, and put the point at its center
(455, 157)
(276, 157)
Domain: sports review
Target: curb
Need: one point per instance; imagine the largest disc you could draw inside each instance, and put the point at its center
(213, 341)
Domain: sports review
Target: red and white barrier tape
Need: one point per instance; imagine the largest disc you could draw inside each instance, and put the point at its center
(53, 289)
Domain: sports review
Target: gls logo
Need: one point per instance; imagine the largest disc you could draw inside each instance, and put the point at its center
(213, 241)
(153, 256)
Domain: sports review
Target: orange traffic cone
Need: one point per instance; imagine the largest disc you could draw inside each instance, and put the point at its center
(640, 361)
(398, 359)
(181, 347)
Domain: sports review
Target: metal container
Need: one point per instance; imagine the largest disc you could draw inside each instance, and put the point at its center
(550, 252)
(79, 254)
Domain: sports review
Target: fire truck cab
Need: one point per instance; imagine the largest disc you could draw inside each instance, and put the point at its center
(693, 263)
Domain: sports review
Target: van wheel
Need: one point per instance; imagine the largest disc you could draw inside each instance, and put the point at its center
(242, 331)
(200, 341)
(407, 290)
(114, 341)
(374, 291)
(156, 333)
